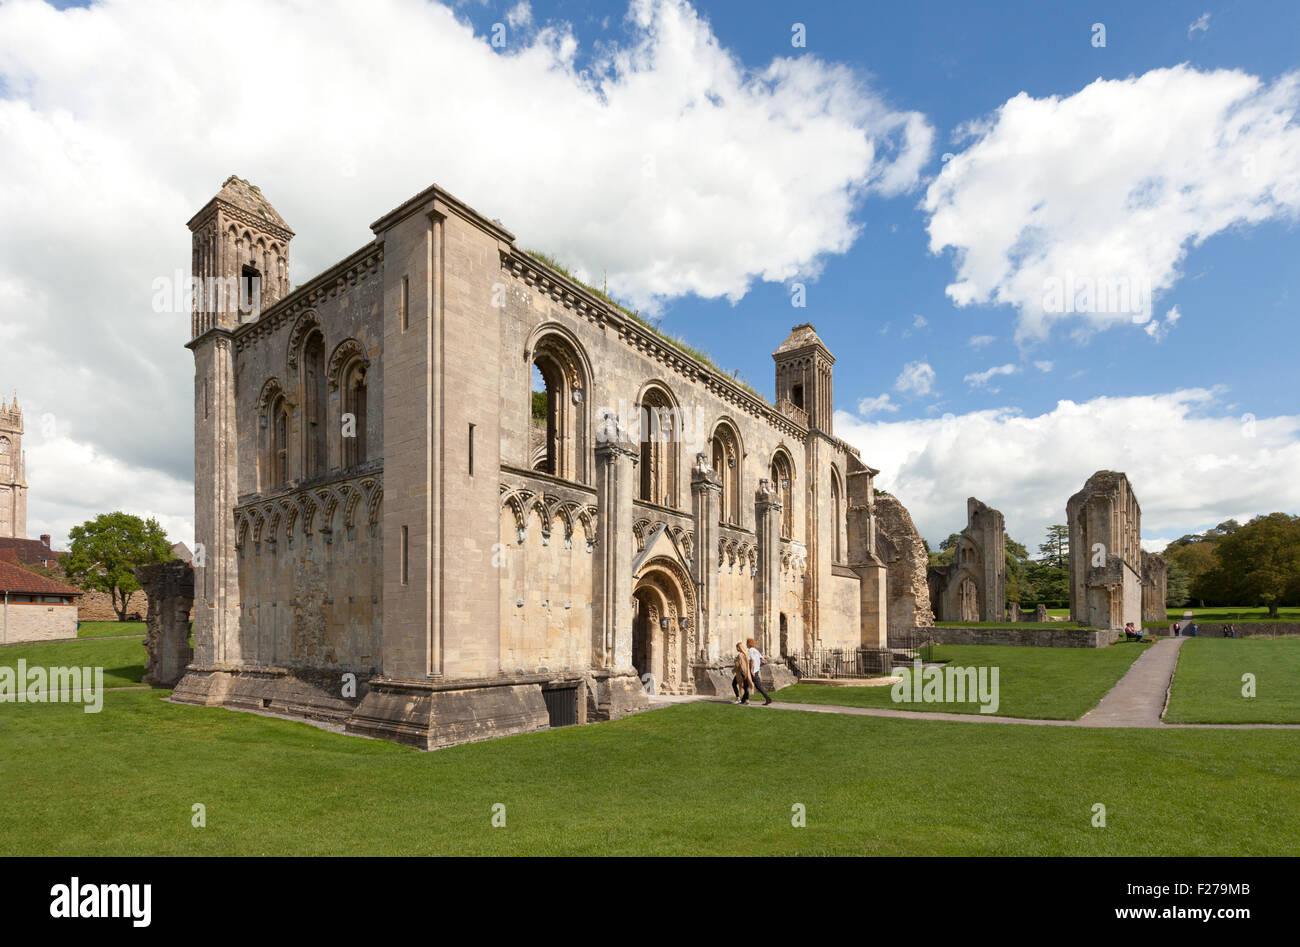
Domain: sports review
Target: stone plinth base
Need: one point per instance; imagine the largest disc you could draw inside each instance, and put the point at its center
(615, 694)
(715, 679)
(429, 715)
(313, 695)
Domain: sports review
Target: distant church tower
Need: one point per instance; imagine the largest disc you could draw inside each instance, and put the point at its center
(803, 375)
(240, 266)
(13, 473)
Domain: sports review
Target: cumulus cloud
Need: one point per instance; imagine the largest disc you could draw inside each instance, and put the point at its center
(916, 378)
(877, 405)
(979, 341)
(1158, 329)
(980, 379)
(659, 159)
(1083, 208)
(1191, 463)
(1044, 365)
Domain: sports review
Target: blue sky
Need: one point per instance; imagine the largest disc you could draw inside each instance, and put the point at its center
(1000, 134)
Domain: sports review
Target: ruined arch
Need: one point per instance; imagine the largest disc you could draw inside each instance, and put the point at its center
(727, 456)
(782, 472)
(660, 439)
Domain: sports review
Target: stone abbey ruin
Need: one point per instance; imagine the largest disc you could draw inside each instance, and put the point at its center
(444, 492)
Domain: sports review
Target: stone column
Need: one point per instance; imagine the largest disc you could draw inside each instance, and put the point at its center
(767, 581)
(706, 493)
(615, 472)
(873, 614)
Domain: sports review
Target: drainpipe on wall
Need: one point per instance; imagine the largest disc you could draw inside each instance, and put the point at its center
(6, 631)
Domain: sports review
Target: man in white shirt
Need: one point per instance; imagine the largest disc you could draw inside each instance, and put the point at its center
(755, 662)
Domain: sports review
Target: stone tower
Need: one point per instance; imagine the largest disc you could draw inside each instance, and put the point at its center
(803, 377)
(13, 473)
(1105, 552)
(240, 266)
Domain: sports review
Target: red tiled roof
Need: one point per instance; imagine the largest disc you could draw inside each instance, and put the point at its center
(18, 580)
(30, 550)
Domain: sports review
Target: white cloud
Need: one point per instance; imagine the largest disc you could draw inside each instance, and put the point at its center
(1044, 365)
(876, 405)
(1201, 23)
(979, 341)
(1083, 208)
(980, 379)
(916, 378)
(1158, 330)
(1029, 466)
(520, 15)
(663, 161)
(919, 322)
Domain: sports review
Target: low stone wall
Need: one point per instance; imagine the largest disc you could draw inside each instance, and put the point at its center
(1039, 635)
(1247, 629)
(24, 621)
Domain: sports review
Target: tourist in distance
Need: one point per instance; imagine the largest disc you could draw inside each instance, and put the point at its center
(755, 662)
(741, 678)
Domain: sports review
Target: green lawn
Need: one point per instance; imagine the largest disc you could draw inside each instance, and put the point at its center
(1208, 686)
(687, 780)
(109, 629)
(1037, 683)
(121, 658)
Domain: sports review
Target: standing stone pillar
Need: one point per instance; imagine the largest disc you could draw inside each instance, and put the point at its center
(615, 471)
(873, 605)
(767, 583)
(706, 493)
(1040, 613)
(616, 689)
(170, 588)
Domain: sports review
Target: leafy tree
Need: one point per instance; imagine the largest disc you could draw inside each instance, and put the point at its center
(1257, 564)
(104, 553)
(1196, 560)
(947, 551)
(1056, 550)
(1017, 556)
(539, 406)
(1178, 586)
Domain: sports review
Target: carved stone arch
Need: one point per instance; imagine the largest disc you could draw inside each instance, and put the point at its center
(346, 352)
(302, 327)
(271, 388)
(307, 508)
(289, 511)
(259, 524)
(516, 506)
(329, 503)
(241, 529)
(374, 505)
(587, 516)
(640, 532)
(753, 559)
(537, 507)
(567, 513)
(272, 513)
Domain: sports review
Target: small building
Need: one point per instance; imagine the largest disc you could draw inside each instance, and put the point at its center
(34, 607)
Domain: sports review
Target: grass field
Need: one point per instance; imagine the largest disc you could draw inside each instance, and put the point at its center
(1035, 683)
(109, 629)
(690, 779)
(1027, 625)
(1208, 684)
(121, 658)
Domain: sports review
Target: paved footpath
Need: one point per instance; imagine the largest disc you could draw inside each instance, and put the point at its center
(1137, 700)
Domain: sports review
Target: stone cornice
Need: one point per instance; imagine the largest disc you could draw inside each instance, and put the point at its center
(355, 269)
(243, 216)
(597, 311)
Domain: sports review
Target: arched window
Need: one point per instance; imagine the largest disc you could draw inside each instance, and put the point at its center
(6, 449)
(727, 465)
(315, 460)
(275, 441)
(782, 472)
(354, 403)
(557, 410)
(659, 447)
(837, 517)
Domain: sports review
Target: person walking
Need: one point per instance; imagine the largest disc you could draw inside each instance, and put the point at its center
(741, 678)
(756, 662)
